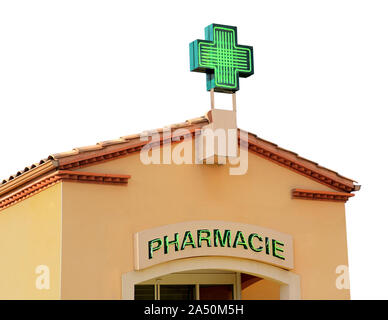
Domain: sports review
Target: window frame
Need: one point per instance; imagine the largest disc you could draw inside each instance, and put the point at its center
(197, 279)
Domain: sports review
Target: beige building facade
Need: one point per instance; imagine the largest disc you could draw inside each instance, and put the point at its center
(99, 223)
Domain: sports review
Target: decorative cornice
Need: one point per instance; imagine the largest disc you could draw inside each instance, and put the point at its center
(113, 149)
(28, 191)
(100, 158)
(91, 177)
(62, 175)
(87, 160)
(106, 147)
(308, 170)
(321, 195)
(31, 173)
(332, 181)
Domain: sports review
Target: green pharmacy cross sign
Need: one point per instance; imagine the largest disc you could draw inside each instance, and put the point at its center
(221, 58)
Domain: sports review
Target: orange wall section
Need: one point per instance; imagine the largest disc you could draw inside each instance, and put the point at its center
(99, 220)
(261, 290)
(30, 235)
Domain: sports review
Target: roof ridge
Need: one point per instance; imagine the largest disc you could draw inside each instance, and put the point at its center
(300, 157)
(111, 149)
(98, 146)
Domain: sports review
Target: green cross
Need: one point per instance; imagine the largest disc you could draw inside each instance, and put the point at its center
(221, 58)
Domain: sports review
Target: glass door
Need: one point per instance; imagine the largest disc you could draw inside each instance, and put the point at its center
(196, 285)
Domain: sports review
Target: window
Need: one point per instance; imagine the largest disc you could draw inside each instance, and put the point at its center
(177, 292)
(216, 292)
(200, 285)
(145, 292)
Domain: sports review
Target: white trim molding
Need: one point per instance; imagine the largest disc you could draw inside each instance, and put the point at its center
(289, 281)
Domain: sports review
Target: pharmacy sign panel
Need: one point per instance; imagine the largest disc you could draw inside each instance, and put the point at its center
(212, 238)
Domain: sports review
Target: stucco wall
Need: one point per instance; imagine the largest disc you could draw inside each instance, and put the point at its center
(99, 220)
(30, 235)
(261, 290)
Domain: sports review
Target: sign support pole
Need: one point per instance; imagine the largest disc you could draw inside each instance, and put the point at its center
(234, 101)
(212, 99)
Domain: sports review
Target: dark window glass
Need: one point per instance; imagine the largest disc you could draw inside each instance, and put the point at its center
(216, 292)
(177, 292)
(144, 292)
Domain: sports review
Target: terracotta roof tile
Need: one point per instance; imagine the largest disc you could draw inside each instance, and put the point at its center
(98, 146)
(131, 136)
(65, 154)
(106, 150)
(195, 120)
(305, 159)
(179, 125)
(111, 142)
(89, 148)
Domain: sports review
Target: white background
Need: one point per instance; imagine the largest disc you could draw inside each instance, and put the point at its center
(73, 73)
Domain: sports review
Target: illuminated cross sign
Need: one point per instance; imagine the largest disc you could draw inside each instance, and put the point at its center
(221, 58)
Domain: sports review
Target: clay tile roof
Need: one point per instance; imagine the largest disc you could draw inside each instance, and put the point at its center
(195, 120)
(131, 136)
(111, 142)
(99, 146)
(65, 154)
(111, 149)
(89, 148)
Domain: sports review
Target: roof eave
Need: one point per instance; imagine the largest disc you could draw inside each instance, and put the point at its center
(28, 176)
